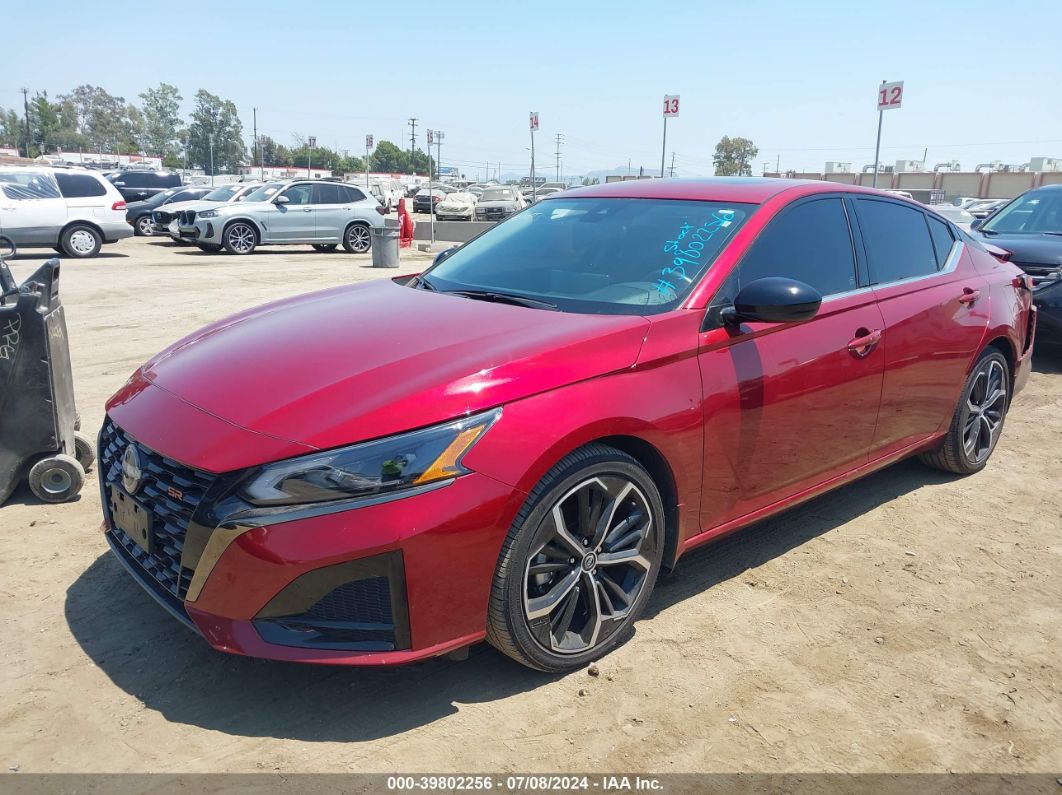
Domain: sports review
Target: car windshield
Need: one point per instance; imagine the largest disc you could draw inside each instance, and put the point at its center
(1035, 212)
(497, 195)
(222, 194)
(601, 256)
(160, 197)
(264, 193)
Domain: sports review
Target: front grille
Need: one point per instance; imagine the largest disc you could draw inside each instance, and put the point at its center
(1039, 272)
(170, 491)
(161, 217)
(187, 217)
(361, 602)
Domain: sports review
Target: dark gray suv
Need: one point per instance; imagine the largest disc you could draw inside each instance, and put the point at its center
(136, 185)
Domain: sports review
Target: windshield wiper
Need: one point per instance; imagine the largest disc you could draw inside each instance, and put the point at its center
(503, 298)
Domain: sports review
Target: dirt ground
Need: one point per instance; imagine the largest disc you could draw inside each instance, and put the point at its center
(909, 622)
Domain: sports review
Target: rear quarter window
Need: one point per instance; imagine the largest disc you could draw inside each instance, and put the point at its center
(942, 239)
(79, 186)
(897, 241)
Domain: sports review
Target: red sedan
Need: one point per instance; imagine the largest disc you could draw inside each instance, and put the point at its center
(512, 445)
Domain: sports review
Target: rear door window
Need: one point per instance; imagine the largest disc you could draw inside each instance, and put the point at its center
(942, 239)
(326, 194)
(352, 194)
(79, 186)
(811, 243)
(897, 241)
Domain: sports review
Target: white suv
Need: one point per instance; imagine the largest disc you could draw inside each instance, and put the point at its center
(321, 213)
(73, 210)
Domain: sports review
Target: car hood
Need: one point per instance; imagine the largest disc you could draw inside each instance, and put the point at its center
(1033, 249)
(132, 207)
(195, 204)
(364, 361)
(503, 203)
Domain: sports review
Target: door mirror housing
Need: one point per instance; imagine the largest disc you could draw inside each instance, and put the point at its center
(281, 200)
(773, 299)
(444, 254)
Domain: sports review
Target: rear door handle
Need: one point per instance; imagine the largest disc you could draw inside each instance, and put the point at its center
(863, 344)
(969, 295)
(307, 210)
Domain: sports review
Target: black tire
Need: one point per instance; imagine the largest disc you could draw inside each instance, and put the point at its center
(240, 238)
(534, 641)
(84, 450)
(357, 239)
(325, 247)
(978, 417)
(209, 248)
(143, 226)
(56, 478)
(80, 241)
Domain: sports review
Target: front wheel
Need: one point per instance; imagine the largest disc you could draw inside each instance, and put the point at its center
(144, 226)
(356, 239)
(56, 478)
(978, 420)
(579, 563)
(240, 238)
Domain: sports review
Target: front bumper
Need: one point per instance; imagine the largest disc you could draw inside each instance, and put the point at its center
(413, 572)
(200, 232)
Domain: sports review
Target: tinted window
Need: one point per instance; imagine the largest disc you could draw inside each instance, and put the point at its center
(132, 179)
(609, 256)
(76, 186)
(326, 194)
(942, 239)
(299, 194)
(185, 195)
(897, 241)
(810, 243)
(352, 194)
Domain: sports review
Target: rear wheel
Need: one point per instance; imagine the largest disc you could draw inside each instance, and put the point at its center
(143, 226)
(579, 563)
(356, 239)
(325, 246)
(56, 478)
(240, 238)
(978, 420)
(84, 450)
(81, 241)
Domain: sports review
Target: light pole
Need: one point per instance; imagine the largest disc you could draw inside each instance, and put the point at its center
(309, 154)
(210, 138)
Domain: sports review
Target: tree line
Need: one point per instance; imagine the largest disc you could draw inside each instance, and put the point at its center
(91, 119)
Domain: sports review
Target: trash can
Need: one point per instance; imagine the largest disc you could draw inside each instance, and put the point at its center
(39, 436)
(385, 244)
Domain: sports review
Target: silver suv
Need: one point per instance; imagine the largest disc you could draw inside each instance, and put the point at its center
(321, 213)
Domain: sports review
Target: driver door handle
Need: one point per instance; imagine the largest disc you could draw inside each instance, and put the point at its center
(862, 345)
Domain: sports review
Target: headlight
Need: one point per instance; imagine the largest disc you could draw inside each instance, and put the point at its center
(371, 468)
(207, 214)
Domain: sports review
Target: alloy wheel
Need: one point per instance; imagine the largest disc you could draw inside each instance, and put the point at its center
(241, 238)
(588, 564)
(984, 410)
(82, 242)
(358, 239)
(145, 227)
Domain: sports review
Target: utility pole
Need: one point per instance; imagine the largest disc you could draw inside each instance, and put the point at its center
(672, 173)
(25, 106)
(209, 138)
(309, 154)
(560, 140)
(412, 146)
(778, 164)
(255, 116)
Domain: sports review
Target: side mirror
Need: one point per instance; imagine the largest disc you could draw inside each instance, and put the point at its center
(281, 200)
(442, 255)
(773, 299)
(976, 223)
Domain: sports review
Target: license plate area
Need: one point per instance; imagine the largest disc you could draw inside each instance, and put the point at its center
(133, 519)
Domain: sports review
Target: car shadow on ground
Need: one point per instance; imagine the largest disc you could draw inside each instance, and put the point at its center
(1047, 358)
(47, 254)
(156, 660)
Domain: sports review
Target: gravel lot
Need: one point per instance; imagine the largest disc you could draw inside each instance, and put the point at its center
(909, 622)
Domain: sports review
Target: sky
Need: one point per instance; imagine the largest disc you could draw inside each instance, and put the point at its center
(982, 79)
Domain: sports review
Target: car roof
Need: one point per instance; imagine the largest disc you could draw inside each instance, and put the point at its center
(751, 190)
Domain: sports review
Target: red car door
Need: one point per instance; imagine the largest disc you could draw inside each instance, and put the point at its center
(788, 406)
(936, 310)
